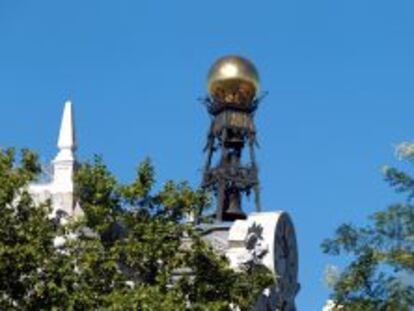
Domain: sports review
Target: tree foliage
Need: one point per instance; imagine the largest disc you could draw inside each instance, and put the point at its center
(133, 250)
(380, 275)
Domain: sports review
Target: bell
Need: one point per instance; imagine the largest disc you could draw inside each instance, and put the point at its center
(234, 211)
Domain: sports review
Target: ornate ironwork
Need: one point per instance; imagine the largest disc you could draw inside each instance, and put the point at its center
(232, 128)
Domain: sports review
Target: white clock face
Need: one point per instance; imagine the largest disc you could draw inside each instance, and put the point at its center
(286, 257)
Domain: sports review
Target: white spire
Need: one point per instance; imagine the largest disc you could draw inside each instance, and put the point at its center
(67, 138)
(61, 188)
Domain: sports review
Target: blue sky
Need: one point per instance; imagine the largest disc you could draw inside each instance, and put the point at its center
(339, 75)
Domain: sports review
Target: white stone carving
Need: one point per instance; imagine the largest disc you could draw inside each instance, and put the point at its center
(246, 245)
(267, 238)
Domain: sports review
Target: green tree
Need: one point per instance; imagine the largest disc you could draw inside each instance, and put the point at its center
(380, 273)
(133, 250)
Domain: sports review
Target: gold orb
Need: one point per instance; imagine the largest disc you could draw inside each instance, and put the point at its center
(233, 80)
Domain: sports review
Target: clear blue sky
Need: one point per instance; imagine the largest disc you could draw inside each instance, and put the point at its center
(339, 74)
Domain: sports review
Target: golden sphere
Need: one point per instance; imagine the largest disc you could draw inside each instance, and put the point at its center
(233, 80)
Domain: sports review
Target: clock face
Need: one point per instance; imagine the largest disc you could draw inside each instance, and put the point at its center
(286, 257)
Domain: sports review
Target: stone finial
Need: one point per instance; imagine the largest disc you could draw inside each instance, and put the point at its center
(64, 163)
(67, 138)
(60, 190)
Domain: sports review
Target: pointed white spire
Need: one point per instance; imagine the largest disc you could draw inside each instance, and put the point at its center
(61, 188)
(67, 138)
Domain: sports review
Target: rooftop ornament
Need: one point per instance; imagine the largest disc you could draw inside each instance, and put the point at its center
(233, 85)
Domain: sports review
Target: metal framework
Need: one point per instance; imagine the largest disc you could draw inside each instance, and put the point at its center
(232, 128)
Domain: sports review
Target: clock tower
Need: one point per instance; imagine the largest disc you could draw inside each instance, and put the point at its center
(259, 238)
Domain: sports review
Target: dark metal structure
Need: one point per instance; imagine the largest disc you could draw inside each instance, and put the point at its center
(233, 84)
